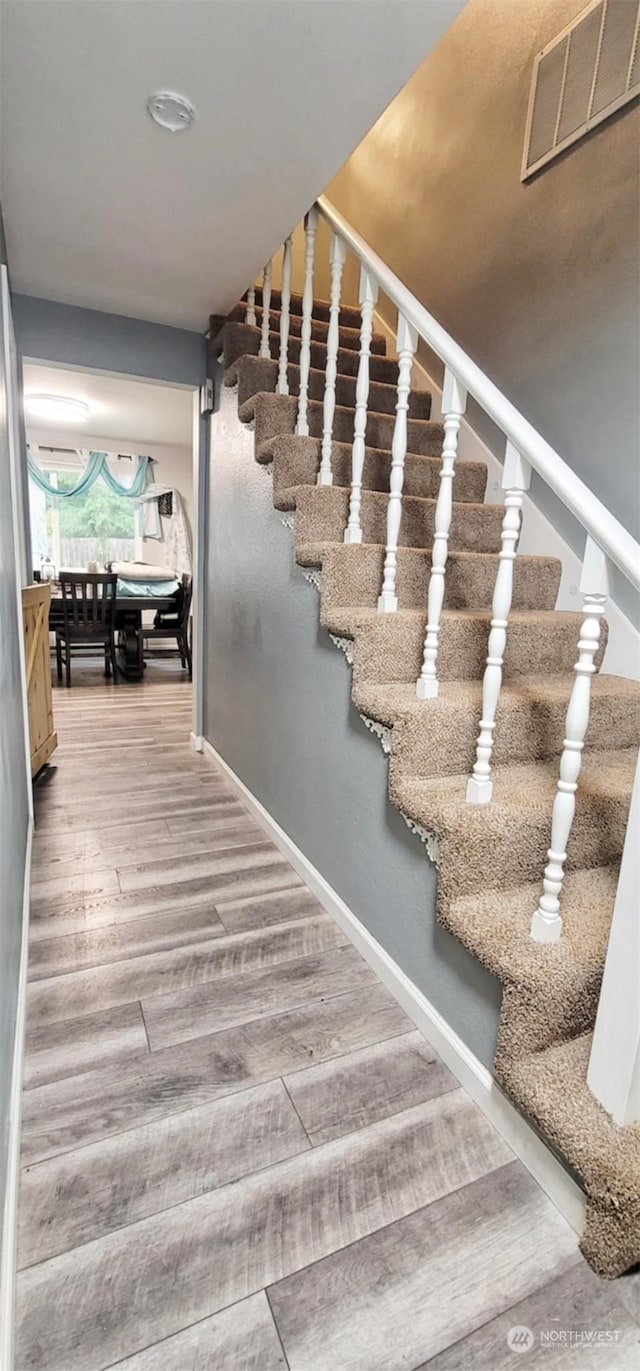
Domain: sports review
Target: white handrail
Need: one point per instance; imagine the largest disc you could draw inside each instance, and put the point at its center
(614, 540)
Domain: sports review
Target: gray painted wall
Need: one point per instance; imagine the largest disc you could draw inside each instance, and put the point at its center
(278, 710)
(14, 793)
(75, 337)
(540, 283)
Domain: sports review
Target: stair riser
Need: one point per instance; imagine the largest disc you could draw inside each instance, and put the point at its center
(512, 845)
(240, 340)
(255, 374)
(351, 581)
(296, 462)
(349, 314)
(349, 337)
(526, 1026)
(322, 514)
(391, 648)
(441, 741)
(277, 414)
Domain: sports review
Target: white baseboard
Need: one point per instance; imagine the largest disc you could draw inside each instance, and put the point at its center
(8, 1264)
(196, 742)
(476, 1079)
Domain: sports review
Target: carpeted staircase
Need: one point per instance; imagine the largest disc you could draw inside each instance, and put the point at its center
(490, 857)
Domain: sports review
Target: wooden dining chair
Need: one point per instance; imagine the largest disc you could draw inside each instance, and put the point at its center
(170, 624)
(88, 614)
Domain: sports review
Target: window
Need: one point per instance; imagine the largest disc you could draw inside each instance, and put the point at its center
(96, 527)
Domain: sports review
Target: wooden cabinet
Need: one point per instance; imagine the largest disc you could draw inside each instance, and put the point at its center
(35, 618)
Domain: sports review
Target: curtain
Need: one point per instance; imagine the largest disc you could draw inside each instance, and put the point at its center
(97, 465)
(135, 489)
(147, 511)
(174, 529)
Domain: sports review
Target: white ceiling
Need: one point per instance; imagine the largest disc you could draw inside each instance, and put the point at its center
(129, 412)
(104, 209)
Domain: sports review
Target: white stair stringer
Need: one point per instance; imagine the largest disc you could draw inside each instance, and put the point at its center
(381, 732)
(428, 839)
(345, 645)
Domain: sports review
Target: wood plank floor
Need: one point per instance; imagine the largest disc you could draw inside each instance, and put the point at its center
(238, 1154)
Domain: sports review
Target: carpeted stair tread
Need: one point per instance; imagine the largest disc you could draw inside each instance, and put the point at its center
(550, 990)
(496, 925)
(322, 513)
(352, 577)
(296, 462)
(509, 837)
(438, 737)
(348, 336)
(392, 646)
(347, 623)
(275, 414)
(349, 314)
(255, 374)
(239, 340)
(551, 1087)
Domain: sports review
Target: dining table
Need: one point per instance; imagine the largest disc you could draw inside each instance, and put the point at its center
(131, 603)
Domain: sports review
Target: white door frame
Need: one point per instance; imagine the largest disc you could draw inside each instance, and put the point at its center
(201, 433)
(8, 1252)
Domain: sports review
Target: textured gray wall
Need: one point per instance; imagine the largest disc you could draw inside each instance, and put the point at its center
(540, 283)
(14, 802)
(71, 336)
(278, 710)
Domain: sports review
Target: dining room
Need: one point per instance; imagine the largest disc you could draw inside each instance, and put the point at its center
(110, 494)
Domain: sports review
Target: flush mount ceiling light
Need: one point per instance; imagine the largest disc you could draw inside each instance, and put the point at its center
(56, 408)
(171, 111)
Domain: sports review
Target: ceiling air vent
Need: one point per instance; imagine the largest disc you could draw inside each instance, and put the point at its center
(591, 69)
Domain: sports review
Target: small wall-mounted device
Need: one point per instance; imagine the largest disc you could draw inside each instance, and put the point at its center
(207, 397)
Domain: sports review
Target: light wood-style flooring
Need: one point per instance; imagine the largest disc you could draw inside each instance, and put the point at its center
(238, 1153)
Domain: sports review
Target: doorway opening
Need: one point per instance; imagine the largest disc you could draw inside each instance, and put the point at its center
(111, 493)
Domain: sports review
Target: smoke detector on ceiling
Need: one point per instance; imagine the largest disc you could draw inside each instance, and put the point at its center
(171, 111)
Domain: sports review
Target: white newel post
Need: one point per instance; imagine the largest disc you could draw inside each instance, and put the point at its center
(265, 350)
(614, 1066)
(516, 477)
(285, 300)
(454, 402)
(406, 344)
(368, 296)
(337, 256)
(310, 230)
(250, 316)
(546, 924)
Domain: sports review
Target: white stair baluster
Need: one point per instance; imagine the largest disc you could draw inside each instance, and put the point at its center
(285, 301)
(368, 296)
(516, 477)
(250, 316)
(546, 925)
(454, 402)
(337, 257)
(406, 344)
(265, 350)
(310, 230)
